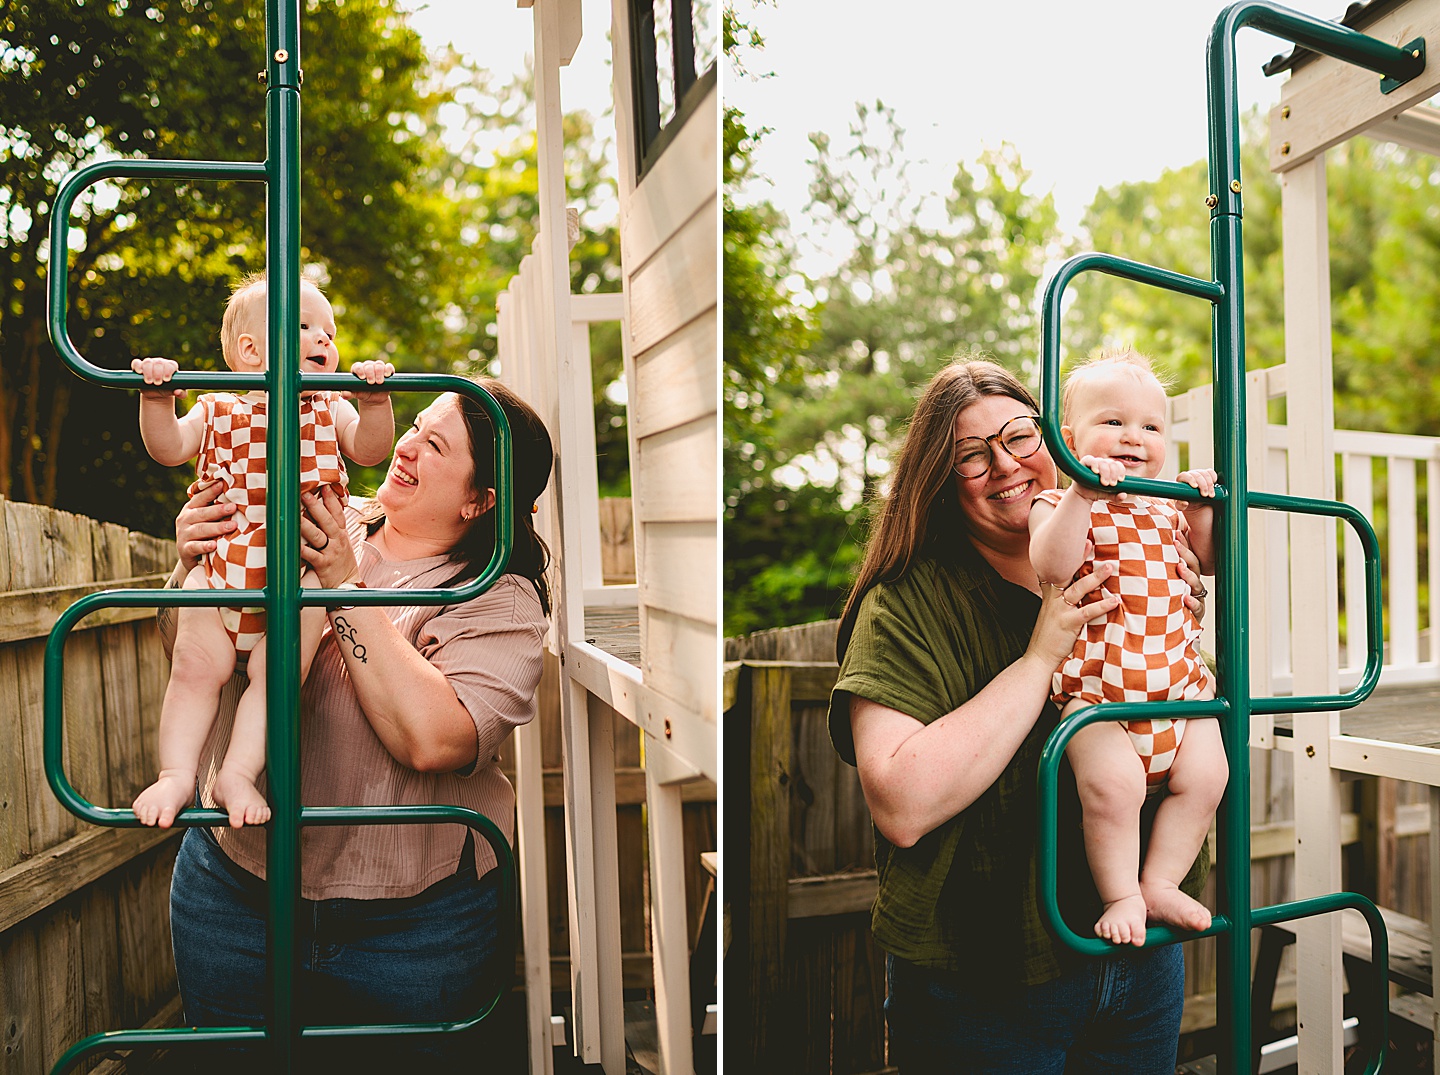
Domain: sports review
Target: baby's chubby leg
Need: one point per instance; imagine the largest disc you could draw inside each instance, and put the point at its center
(1111, 782)
(235, 785)
(202, 661)
(1197, 780)
(235, 789)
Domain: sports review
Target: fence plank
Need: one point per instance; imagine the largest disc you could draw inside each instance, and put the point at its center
(617, 540)
(813, 778)
(30, 613)
(14, 797)
(859, 1005)
(58, 935)
(21, 1029)
(769, 853)
(804, 1008)
(153, 669)
(100, 952)
(50, 824)
(47, 878)
(120, 670)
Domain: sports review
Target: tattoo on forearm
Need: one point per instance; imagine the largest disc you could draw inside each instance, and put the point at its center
(345, 632)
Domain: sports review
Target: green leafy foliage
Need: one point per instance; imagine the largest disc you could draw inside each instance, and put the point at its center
(412, 237)
(813, 417)
(1384, 275)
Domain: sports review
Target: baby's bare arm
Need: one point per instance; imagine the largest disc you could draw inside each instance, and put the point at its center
(1200, 517)
(1058, 536)
(169, 440)
(1201, 520)
(366, 430)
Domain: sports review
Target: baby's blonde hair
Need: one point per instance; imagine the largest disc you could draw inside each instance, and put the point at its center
(246, 312)
(1126, 358)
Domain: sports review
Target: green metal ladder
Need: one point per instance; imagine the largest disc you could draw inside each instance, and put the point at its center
(282, 596)
(1233, 703)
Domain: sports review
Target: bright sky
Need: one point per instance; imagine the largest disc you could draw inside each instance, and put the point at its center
(1092, 94)
(499, 34)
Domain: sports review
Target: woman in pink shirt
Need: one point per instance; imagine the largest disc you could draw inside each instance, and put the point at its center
(403, 705)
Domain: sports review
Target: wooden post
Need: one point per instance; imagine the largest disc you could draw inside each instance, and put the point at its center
(769, 853)
(597, 1041)
(1315, 654)
(609, 986)
(669, 933)
(535, 920)
(1433, 840)
(1377, 839)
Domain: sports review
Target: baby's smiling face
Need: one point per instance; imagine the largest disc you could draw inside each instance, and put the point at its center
(318, 353)
(1118, 412)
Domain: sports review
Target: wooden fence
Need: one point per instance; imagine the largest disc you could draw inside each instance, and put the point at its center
(84, 922)
(808, 977)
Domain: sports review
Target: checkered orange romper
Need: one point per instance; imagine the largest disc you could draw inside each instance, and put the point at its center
(232, 451)
(1147, 649)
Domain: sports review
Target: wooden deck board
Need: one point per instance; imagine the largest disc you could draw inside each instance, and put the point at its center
(1408, 714)
(616, 630)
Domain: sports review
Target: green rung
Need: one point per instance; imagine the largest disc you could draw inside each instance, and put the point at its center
(1233, 704)
(282, 596)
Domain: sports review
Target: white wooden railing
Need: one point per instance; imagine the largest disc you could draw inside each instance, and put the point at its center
(1405, 510)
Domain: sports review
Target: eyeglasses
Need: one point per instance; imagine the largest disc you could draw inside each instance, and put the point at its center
(1020, 437)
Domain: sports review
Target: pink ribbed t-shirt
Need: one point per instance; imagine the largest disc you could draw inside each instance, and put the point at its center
(490, 651)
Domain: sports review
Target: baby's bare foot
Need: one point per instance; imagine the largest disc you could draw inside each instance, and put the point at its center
(161, 801)
(1123, 921)
(1166, 903)
(238, 795)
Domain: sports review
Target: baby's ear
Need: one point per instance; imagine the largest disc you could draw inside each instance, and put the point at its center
(248, 353)
(1067, 434)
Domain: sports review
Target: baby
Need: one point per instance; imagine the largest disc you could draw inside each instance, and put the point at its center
(1145, 650)
(228, 434)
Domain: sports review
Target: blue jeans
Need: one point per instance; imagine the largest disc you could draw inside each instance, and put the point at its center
(425, 958)
(1117, 1014)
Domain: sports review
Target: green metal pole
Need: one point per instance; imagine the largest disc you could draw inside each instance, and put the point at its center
(282, 518)
(1232, 645)
(1232, 642)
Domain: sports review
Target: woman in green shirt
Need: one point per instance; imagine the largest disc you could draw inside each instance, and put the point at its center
(947, 647)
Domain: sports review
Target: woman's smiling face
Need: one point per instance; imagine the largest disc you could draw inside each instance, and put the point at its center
(997, 503)
(431, 478)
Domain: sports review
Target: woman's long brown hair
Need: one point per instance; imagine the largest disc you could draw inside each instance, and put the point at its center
(922, 515)
(531, 460)
(532, 457)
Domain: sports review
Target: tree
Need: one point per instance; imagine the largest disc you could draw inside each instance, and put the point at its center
(151, 264)
(766, 332)
(1165, 222)
(922, 283)
(922, 278)
(1384, 277)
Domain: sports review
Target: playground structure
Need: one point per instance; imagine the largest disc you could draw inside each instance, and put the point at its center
(1323, 103)
(665, 685)
(665, 681)
(1344, 82)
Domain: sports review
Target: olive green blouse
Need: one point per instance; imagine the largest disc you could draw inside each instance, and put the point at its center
(964, 897)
